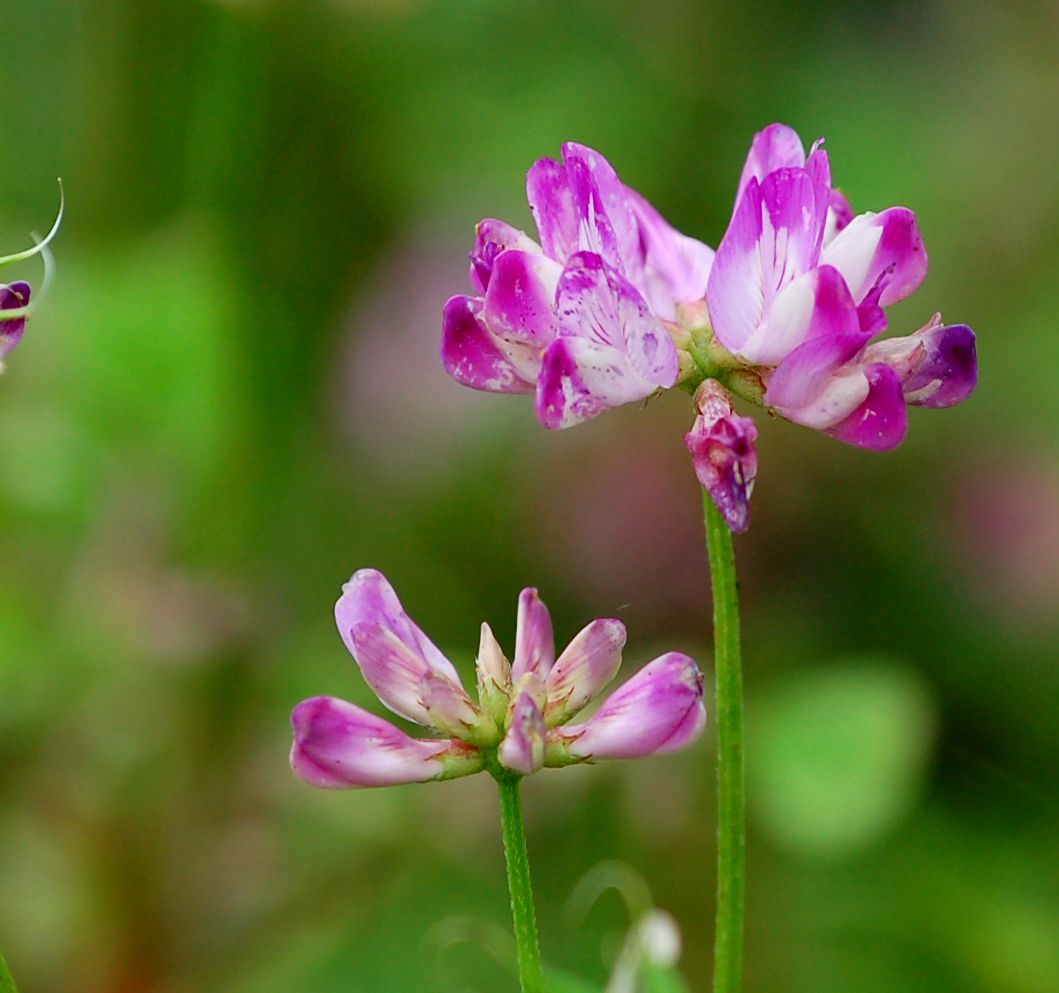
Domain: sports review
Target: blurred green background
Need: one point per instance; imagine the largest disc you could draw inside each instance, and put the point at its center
(232, 400)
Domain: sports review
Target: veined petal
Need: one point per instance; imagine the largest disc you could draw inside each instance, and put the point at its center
(937, 366)
(595, 229)
(773, 238)
(471, 355)
(522, 749)
(659, 710)
(493, 237)
(13, 296)
(451, 711)
(552, 206)
(519, 309)
(580, 379)
(534, 640)
(597, 303)
(775, 147)
(881, 257)
(337, 745)
(587, 664)
(723, 453)
(814, 305)
(880, 422)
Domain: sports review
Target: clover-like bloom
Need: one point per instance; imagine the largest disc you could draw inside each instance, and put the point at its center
(578, 317)
(799, 288)
(519, 722)
(13, 297)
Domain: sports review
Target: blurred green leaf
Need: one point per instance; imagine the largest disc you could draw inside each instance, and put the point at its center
(836, 756)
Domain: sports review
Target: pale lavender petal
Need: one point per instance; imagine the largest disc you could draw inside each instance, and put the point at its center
(723, 453)
(493, 237)
(13, 296)
(881, 421)
(519, 309)
(337, 745)
(522, 749)
(814, 305)
(471, 355)
(450, 709)
(492, 666)
(597, 303)
(672, 267)
(881, 257)
(552, 206)
(937, 366)
(659, 710)
(534, 640)
(776, 147)
(796, 386)
(587, 664)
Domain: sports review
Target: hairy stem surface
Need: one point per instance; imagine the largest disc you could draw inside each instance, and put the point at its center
(731, 799)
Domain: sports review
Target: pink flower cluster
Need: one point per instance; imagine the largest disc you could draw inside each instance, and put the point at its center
(518, 724)
(607, 308)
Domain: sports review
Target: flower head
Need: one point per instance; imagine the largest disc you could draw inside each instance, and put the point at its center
(519, 722)
(13, 297)
(577, 317)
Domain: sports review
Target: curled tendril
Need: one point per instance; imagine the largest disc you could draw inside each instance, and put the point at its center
(40, 247)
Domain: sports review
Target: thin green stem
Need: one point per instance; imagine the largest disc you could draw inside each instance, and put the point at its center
(518, 883)
(731, 799)
(7, 984)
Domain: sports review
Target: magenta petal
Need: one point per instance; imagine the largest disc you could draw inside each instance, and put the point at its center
(522, 749)
(881, 421)
(493, 237)
(534, 641)
(586, 665)
(597, 303)
(802, 377)
(519, 306)
(658, 710)
(937, 366)
(776, 147)
(881, 257)
(12, 297)
(552, 206)
(723, 453)
(470, 354)
(839, 214)
(595, 230)
(338, 746)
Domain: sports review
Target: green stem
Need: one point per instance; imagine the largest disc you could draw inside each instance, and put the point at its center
(731, 800)
(7, 984)
(518, 883)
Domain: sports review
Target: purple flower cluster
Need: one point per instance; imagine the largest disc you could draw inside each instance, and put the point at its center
(13, 297)
(519, 722)
(613, 305)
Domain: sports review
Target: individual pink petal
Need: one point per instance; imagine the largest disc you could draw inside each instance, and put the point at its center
(937, 366)
(534, 640)
(519, 309)
(881, 257)
(595, 230)
(13, 296)
(552, 206)
(775, 147)
(450, 709)
(522, 749)
(338, 745)
(471, 355)
(597, 303)
(672, 268)
(798, 383)
(814, 305)
(493, 237)
(722, 446)
(581, 379)
(659, 710)
(586, 665)
(880, 422)
(839, 214)
(772, 239)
